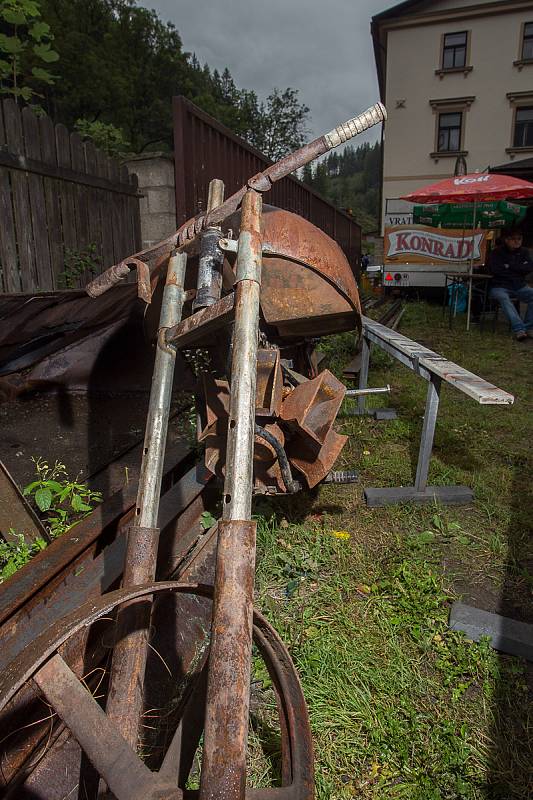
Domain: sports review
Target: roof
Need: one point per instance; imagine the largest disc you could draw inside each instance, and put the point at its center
(399, 9)
(521, 169)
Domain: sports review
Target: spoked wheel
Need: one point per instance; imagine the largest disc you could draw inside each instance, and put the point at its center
(124, 772)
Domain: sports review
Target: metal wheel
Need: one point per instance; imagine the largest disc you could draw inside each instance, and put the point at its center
(126, 775)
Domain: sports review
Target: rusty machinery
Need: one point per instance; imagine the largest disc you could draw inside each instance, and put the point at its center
(248, 286)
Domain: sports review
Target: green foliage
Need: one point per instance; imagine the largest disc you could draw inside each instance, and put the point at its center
(25, 43)
(351, 180)
(281, 124)
(15, 553)
(121, 65)
(78, 264)
(207, 520)
(64, 502)
(106, 137)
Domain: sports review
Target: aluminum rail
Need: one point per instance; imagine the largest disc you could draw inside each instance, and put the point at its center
(261, 182)
(435, 369)
(427, 363)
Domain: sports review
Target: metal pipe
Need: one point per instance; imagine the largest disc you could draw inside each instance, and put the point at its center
(364, 392)
(428, 433)
(238, 483)
(125, 699)
(209, 283)
(363, 374)
(223, 775)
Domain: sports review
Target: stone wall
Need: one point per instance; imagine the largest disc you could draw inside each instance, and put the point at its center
(155, 172)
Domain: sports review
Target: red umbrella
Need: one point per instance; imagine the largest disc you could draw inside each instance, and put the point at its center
(472, 188)
(481, 187)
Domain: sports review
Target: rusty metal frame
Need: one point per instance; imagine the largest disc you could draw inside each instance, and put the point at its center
(223, 772)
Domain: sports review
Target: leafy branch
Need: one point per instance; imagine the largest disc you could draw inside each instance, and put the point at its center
(25, 45)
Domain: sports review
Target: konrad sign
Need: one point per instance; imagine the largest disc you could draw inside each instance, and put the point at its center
(420, 244)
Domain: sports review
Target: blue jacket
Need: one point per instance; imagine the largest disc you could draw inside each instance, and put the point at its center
(510, 267)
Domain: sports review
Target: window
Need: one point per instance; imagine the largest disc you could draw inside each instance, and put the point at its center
(450, 125)
(449, 134)
(454, 50)
(527, 42)
(523, 127)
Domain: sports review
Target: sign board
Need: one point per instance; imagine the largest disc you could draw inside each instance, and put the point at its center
(398, 218)
(421, 244)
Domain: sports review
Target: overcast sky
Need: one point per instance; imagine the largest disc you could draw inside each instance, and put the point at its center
(324, 49)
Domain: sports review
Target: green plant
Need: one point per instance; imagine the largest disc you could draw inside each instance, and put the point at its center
(78, 263)
(65, 502)
(17, 552)
(106, 137)
(207, 520)
(25, 43)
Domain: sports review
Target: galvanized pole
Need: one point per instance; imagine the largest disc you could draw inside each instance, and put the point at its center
(228, 692)
(125, 699)
(209, 283)
(428, 433)
(363, 375)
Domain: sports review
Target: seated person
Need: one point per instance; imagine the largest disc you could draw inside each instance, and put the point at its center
(510, 265)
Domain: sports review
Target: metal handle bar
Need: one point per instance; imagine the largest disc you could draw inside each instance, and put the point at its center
(261, 182)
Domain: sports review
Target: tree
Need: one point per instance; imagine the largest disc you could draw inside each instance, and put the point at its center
(351, 179)
(281, 125)
(105, 136)
(120, 65)
(25, 45)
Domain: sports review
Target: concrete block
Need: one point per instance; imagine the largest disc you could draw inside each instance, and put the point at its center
(153, 169)
(447, 495)
(161, 200)
(377, 413)
(506, 634)
(155, 227)
(383, 413)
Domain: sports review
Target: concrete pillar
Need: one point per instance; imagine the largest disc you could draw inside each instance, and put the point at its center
(155, 173)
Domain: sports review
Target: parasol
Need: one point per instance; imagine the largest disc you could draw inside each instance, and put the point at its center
(472, 188)
(476, 186)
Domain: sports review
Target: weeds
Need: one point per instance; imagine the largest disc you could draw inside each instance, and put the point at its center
(77, 264)
(63, 502)
(17, 552)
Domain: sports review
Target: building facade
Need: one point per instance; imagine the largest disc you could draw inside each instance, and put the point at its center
(456, 77)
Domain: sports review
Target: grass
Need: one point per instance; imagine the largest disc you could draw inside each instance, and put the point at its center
(400, 706)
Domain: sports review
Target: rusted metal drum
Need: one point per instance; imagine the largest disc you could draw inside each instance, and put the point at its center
(308, 287)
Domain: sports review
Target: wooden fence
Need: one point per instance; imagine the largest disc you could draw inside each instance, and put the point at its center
(64, 205)
(204, 149)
